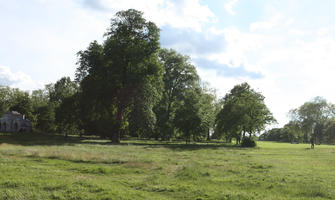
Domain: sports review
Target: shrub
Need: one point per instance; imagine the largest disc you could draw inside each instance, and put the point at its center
(248, 142)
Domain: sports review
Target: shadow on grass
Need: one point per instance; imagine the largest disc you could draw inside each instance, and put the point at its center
(182, 146)
(31, 139)
(79, 161)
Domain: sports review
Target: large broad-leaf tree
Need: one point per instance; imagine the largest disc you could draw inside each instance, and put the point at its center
(244, 112)
(122, 76)
(179, 75)
(209, 107)
(188, 116)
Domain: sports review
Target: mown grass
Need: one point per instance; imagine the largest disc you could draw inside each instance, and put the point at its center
(36, 166)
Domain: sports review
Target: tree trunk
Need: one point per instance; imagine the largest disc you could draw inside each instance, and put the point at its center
(117, 133)
(208, 135)
(116, 137)
(188, 138)
(169, 133)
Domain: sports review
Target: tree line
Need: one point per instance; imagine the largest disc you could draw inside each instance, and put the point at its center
(129, 86)
(314, 120)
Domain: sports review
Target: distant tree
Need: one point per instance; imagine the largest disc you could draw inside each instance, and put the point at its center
(195, 116)
(179, 75)
(39, 98)
(244, 111)
(272, 135)
(46, 101)
(43, 110)
(45, 115)
(289, 133)
(209, 108)
(293, 132)
(188, 119)
(5, 101)
(63, 105)
(125, 67)
(62, 89)
(311, 116)
(67, 115)
(330, 131)
(20, 101)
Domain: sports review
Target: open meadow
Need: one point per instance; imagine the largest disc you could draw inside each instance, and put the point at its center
(49, 167)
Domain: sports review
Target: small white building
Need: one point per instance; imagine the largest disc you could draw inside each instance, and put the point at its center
(14, 122)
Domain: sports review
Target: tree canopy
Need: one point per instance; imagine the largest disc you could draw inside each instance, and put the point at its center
(312, 120)
(123, 75)
(179, 75)
(244, 111)
(128, 85)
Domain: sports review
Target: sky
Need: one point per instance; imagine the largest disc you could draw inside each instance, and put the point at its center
(285, 49)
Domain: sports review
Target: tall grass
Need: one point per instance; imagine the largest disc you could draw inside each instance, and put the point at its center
(49, 167)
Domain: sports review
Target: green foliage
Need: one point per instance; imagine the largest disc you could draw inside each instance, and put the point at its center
(39, 98)
(291, 132)
(187, 107)
(244, 111)
(20, 101)
(209, 108)
(179, 75)
(13, 99)
(122, 77)
(46, 102)
(129, 86)
(5, 99)
(312, 118)
(62, 89)
(329, 131)
(67, 115)
(248, 142)
(188, 119)
(46, 118)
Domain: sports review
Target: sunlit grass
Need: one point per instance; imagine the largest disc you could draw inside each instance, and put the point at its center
(45, 167)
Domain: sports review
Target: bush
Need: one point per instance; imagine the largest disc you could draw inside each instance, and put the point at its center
(248, 142)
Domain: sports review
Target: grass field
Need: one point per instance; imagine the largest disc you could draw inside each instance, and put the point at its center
(48, 167)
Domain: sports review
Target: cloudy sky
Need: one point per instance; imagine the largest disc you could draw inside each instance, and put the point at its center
(285, 49)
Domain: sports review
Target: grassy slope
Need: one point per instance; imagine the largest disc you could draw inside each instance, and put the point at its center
(35, 167)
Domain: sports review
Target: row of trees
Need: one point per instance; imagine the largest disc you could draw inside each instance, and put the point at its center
(43, 107)
(129, 86)
(313, 120)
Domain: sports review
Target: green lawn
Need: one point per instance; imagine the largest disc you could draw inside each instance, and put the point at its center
(48, 167)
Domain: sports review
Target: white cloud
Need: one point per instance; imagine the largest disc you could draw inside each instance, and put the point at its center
(296, 67)
(268, 24)
(229, 6)
(297, 32)
(177, 14)
(297, 61)
(44, 45)
(17, 79)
